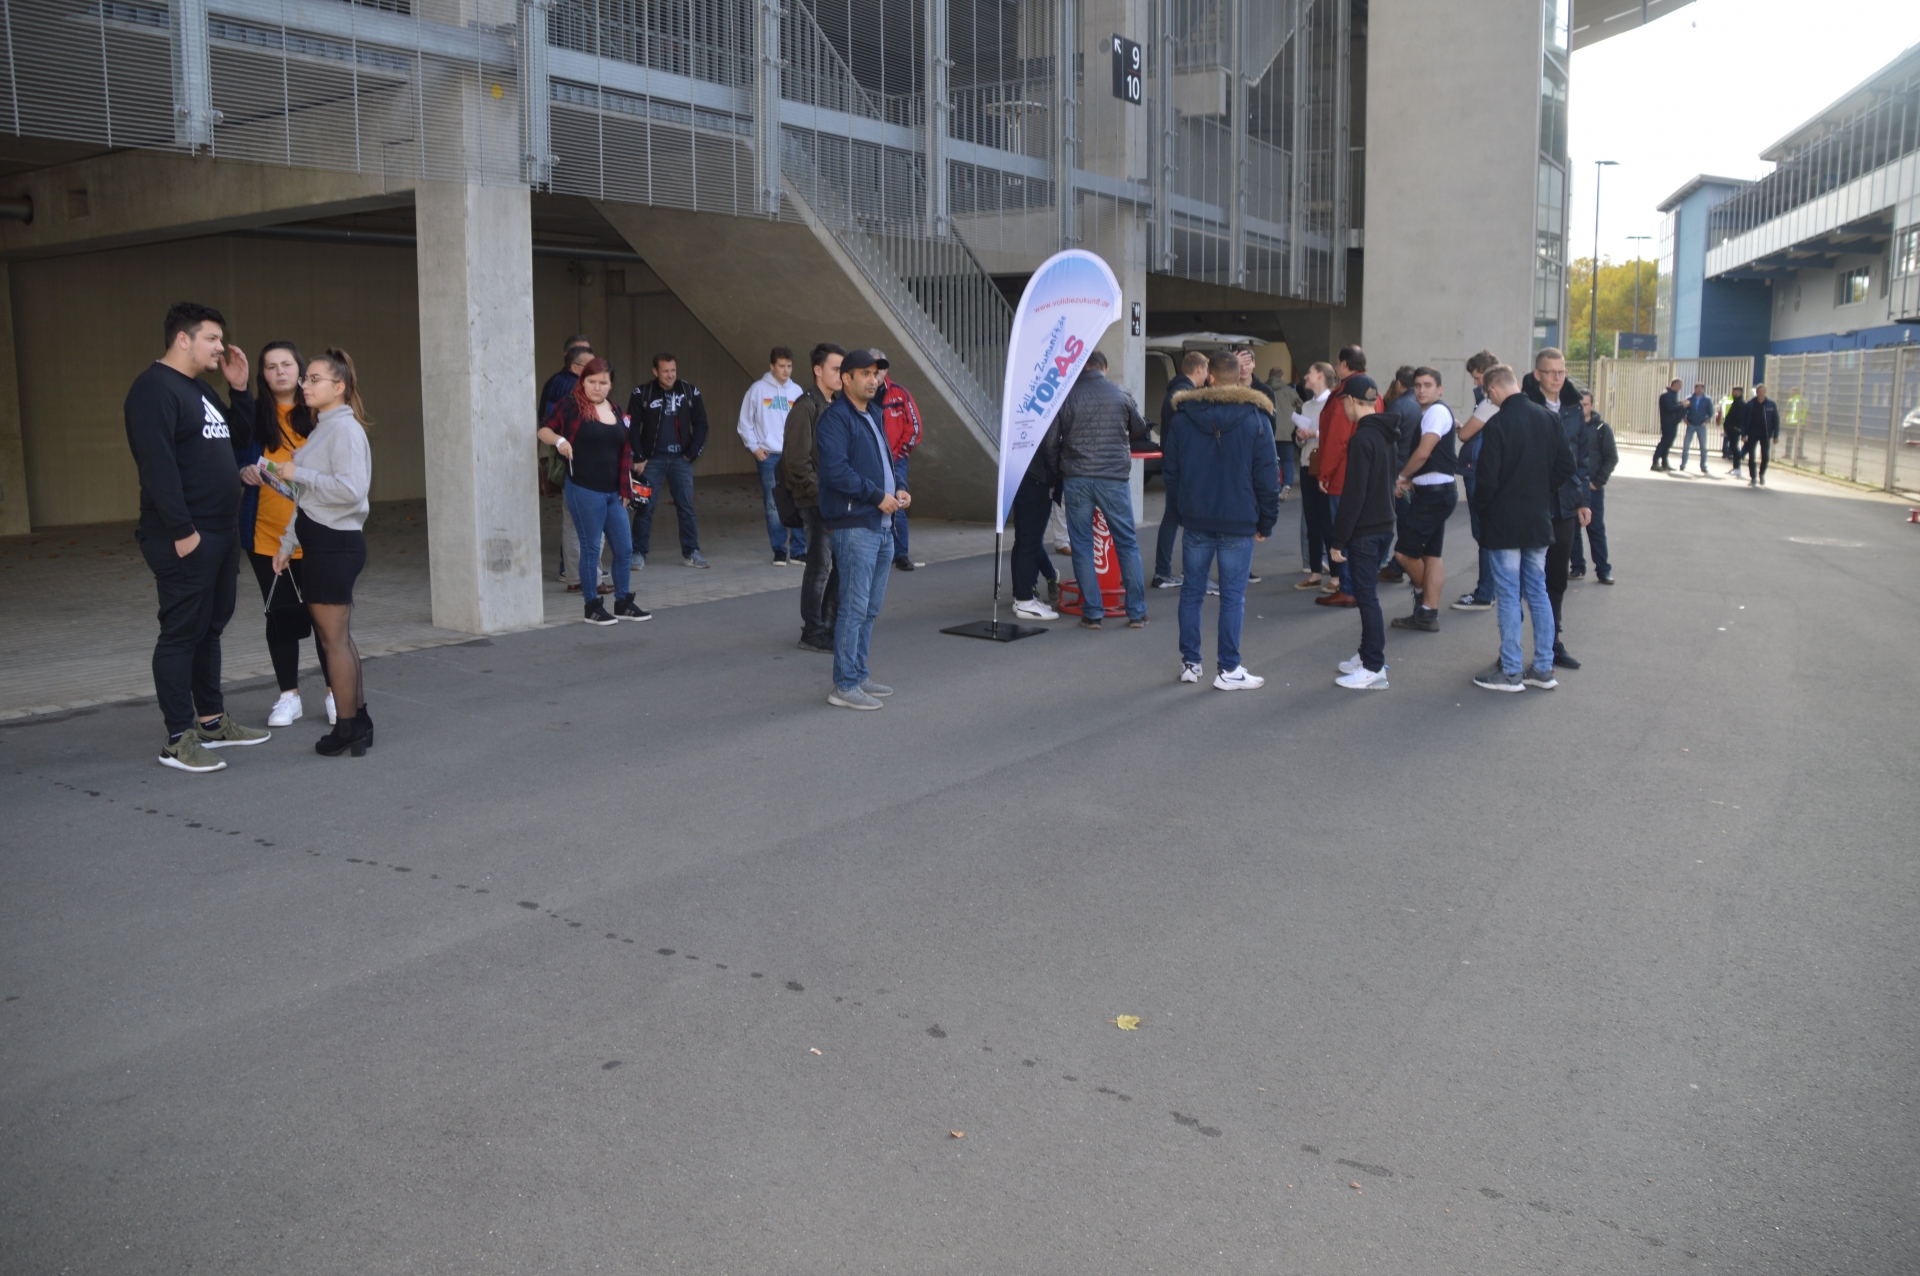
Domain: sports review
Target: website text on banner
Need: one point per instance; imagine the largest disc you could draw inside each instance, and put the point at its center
(1068, 303)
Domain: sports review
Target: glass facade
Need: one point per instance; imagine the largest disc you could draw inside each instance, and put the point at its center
(1550, 201)
(1663, 285)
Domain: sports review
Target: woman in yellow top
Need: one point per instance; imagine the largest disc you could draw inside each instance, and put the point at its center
(281, 423)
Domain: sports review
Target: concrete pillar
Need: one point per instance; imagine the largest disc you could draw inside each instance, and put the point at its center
(1115, 141)
(478, 391)
(1450, 229)
(15, 517)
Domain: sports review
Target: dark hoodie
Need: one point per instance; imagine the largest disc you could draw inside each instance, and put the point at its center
(1366, 500)
(1571, 496)
(1219, 464)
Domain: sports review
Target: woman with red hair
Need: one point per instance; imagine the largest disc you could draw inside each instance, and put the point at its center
(596, 439)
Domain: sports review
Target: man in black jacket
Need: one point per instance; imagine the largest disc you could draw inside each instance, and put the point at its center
(1363, 525)
(1762, 426)
(1549, 387)
(1524, 461)
(182, 441)
(799, 471)
(1602, 456)
(1091, 448)
(670, 418)
(1732, 428)
(1671, 412)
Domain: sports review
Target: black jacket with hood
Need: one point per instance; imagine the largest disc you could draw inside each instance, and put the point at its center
(1571, 496)
(1219, 461)
(1366, 500)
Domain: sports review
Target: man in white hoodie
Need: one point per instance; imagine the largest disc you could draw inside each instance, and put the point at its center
(763, 424)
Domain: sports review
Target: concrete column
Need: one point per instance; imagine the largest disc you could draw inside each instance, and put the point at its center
(1115, 139)
(1450, 233)
(477, 391)
(766, 109)
(15, 517)
(938, 106)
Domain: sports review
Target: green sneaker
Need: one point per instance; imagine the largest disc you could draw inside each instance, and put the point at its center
(187, 754)
(228, 732)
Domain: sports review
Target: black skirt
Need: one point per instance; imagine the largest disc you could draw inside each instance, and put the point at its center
(330, 561)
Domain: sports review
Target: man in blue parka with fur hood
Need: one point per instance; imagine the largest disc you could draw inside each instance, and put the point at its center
(1221, 468)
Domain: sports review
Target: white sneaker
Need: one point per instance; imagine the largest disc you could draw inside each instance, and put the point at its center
(332, 717)
(286, 710)
(1363, 679)
(1034, 609)
(1351, 663)
(1237, 680)
(1189, 673)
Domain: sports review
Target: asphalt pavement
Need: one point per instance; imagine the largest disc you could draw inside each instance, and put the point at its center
(623, 952)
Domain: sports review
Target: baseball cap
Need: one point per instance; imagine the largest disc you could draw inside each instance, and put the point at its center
(1360, 386)
(859, 358)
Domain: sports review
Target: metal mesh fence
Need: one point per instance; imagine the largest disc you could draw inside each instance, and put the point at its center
(1851, 414)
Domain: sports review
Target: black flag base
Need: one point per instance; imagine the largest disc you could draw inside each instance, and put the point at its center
(995, 630)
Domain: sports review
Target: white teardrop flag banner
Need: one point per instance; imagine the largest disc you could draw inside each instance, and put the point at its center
(1067, 305)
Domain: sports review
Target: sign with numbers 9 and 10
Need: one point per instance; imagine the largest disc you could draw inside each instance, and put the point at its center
(1127, 69)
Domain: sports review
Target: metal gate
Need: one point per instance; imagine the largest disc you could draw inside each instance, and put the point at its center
(1851, 414)
(1627, 391)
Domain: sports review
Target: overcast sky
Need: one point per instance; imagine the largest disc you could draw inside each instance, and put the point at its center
(1705, 90)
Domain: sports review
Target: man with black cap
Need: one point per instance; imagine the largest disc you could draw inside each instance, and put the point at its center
(1363, 525)
(858, 500)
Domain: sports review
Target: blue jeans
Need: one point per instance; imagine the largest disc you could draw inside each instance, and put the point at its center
(1343, 570)
(595, 513)
(1164, 540)
(1596, 534)
(1695, 431)
(668, 472)
(900, 516)
(786, 540)
(1517, 572)
(1483, 584)
(1236, 561)
(1113, 499)
(1364, 556)
(863, 556)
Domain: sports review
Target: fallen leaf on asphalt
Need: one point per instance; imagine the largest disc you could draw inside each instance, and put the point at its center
(1126, 1023)
(814, 1049)
(957, 1134)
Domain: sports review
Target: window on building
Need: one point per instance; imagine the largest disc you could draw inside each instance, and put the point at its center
(1906, 252)
(1855, 285)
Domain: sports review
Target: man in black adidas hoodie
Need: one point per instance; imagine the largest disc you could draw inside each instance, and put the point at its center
(182, 441)
(1363, 527)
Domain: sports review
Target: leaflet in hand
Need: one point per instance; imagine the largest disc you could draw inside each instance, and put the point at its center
(274, 481)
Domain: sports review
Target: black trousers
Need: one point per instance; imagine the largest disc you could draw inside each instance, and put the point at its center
(287, 619)
(1316, 517)
(1665, 446)
(1756, 452)
(820, 586)
(1032, 506)
(196, 602)
(1558, 555)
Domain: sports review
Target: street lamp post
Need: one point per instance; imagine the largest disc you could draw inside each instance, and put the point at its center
(1593, 303)
(1636, 281)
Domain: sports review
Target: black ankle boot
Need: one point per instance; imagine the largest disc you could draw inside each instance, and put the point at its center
(365, 721)
(349, 735)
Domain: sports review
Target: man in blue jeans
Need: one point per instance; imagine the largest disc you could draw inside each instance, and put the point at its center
(1524, 460)
(857, 503)
(1699, 412)
(763, 428)
(1091, 448)
(1193, 374)
(1221, 467)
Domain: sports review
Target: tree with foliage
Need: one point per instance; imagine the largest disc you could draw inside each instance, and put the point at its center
(1616, 304)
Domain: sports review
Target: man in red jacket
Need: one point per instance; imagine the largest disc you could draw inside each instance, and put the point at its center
(902, 417)
(1335, 431)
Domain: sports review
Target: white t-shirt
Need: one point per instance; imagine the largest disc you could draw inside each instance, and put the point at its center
(1435, 420)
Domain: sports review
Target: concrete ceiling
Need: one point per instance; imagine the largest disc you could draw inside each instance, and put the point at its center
(1597, 20)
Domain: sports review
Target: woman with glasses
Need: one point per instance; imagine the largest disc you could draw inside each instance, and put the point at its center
(330, 476)
(281, 422)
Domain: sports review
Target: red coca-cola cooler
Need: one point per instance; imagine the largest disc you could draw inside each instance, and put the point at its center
(1106, 564)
